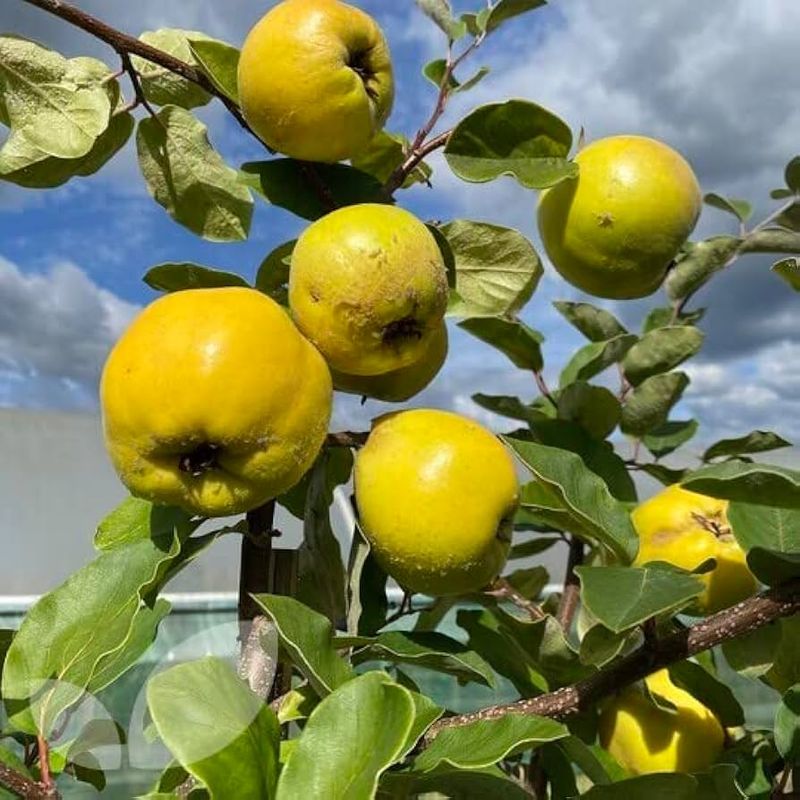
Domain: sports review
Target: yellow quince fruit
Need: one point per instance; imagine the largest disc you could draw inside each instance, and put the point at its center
(400, 384)
(645, 738)
(315, 79)
(368, 286)
(685, 529)
(213, 401)
(614, 230)
(436, 493)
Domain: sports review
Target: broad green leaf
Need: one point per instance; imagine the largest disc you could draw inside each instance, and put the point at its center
(781, 194)
(699, 265)
(710, 691)
(719, 783)
(759, 484)
(529, 582)
(465, 784)
(72, 634)
(664, 474)
(773, 567)
(272, 277)
(665, 316)
(596, 324)
(367, 604)
(660, 351)
(506, 406)
(601, 645)
(621, 597)
(787, 725)
(594, 408)
(533, 547)
(350, 739)
(310, 190)
(384, 153)
(175, 277)
(515, 138)
(486, 741)
(521, 344)
(497, 268)
(789, 219)
(754, 442)
(506, 9)
(774, 240)
(753, 654)
(740, 209)
(134, 520)
(161, 86)
(26, 165)
(441, 13)
(792, 174)
(58, 106)
(595, 357)
(321, 574)
(219, 61)
(789, 270)
(338, 471)
(427, 649)
(765, 533)
(435, 70)
(660, 786)
(189, 179)
(217, 728)
(473, 80)
(557, 770)
(593, 761)
(307, 637)
(669, 437)
(785, 657)
(581, 497)
(649, 404)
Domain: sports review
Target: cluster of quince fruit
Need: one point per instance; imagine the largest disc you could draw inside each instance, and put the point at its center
(218, 400)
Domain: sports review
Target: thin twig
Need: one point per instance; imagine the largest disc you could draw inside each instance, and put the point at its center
(502, 589)
(741, 619)
(543, 388)
(138, 91)
(572, 588)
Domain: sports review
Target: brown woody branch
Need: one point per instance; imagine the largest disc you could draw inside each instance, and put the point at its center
(741, 619)
(24, 787)
(572, 587)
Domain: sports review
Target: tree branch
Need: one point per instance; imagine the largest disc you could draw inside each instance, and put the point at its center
(741, 619)
(24, 787)
(572, 587)
(503, 590)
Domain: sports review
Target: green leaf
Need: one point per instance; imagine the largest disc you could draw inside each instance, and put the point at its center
(427, 649)
(189, 179)
(497, 268)
(272, 277)
(297, 186)
(435, 70)
(350, 739)
(621, 597)
(774, 240)
(754, 442)
(740, 209)
(473, 80)
(773, 568)
(699, 265)
(486, 741)
(753, 654)
(135, 520)
(665, 316)
(339, 469)
(160, 85)
(307, 637)
(220, 62)
(781, 194)
(580, 497)
(660, 786)
(506, 406)
(600, 645)
(466, 784)
(367, 604)
(529, 582)
(792, 174)
(506, 9)
(557, 770)
(711, 692)
(595, 357)
(789, 270)
(594, 408)
(217, 728)
(787, 725)
(533, 547)
(441, 13)
(511, 337)
(760, 484)
(670, 436)
(174, 277)
(660, 351)
(26, 165)
(785, 656)
(58, 106)
(297, 704)
(515, 138)
(596, 324)
(648, 406)
(593, 761)
(384, 153)
(789, 219)
(719, 783)
(321, 574)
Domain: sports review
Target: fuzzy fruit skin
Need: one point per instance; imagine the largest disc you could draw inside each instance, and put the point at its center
(400, 384)
(368, 286)
(680, 527)
(614, 230)
(224, 367)
(436, 493)
(297, 89)
(645, 738)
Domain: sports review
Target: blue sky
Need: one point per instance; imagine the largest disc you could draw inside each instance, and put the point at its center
(715, 79)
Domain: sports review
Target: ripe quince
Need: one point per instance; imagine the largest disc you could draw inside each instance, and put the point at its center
(213, 401)
(315, 79)
(436, 493)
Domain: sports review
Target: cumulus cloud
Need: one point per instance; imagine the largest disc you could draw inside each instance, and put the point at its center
(56, 328)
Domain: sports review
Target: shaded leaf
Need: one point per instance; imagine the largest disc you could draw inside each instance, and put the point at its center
(513, 338)
(669, 437)
(367, 604)
(384, 153)
(665, 316)
(601, 645)
(753, 654)
(664, 475)
(595, 357)
(649, 404)
(220, 62)
(217, 728)
(660, 786)
(760, 484)
(506, 406)
(754, 442)
(529, 582)
(189, 179)
(775, 240)
(515, 138)
(740, 209)
(789, 270)
(435, 70)
(272, 277)
(533, 547)
(465, 784)
(174, 277)
(785, 656)
(711, 692)
(792, 174)
(497, 268)
(594, 408)
(699, 265)
(339, 468)
(596, 324)
(773, 568)
(660, 351)
(787, 725)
